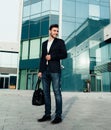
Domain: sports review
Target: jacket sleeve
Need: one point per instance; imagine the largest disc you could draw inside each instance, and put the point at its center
(42, 60)
(62, 53)
(40, 65)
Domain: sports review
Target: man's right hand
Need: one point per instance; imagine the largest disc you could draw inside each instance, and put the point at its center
(39, 74)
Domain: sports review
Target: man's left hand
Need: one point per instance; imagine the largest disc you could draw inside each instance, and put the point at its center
(48, 57)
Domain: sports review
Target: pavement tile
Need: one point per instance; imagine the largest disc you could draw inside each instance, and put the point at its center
(81, 111)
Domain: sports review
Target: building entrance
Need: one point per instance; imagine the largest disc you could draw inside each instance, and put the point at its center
(4, 82)
(7, 81)
(31, 81)
(96, 83)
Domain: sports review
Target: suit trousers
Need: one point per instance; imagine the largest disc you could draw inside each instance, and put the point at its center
(55, 79)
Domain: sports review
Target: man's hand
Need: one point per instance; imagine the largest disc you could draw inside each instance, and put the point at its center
(48, 57)
(39, 74)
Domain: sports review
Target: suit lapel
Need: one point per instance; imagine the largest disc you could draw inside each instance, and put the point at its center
(45, 46)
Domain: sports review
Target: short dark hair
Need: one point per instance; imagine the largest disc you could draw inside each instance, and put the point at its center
(53, 25)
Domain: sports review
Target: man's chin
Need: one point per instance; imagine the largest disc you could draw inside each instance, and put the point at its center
(55, 36)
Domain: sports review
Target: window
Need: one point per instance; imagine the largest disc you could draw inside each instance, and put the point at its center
(94, 11)
(45, 5)
(23, 77)
(69, 8)
(25, 50)
(34, 48)
(44, 39)
(83, 14)
(11, 61)
(55, 6)
(36, 8)
(26, 11)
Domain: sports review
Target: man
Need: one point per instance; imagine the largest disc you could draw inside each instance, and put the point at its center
(53, 50)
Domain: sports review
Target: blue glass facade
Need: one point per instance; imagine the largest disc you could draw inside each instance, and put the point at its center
(83, 34)
(82, 27)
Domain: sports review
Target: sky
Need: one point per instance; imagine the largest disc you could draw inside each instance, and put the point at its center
(9, 20)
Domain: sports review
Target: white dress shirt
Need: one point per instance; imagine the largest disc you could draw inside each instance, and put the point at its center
(48, 47)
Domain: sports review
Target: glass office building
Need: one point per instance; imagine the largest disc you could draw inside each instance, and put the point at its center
(82, 25)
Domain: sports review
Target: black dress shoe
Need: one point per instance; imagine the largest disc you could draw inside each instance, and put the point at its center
(56, 120)
(45, 118)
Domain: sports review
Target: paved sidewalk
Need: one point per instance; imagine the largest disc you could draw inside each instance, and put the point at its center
(81, 111)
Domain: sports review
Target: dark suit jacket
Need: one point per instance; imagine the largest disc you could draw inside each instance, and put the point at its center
(57, 52)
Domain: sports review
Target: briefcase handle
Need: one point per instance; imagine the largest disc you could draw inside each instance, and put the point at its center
(38, 83)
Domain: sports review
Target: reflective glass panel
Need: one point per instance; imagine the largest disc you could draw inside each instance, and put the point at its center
(68, 8)
(36, 8)
(26, 11)
(25, 46)
(81, 10)
(104, 12)
(98, 56)
(34, 49)
(34, 29)
(44, 27)
(104, 54)
(94, 1)
(54, 19)
(94, 11)
(55, 6)
(109, 52)
(26, 0)
(25, 32)
(44, 39)
(106, 81)
(85, 1)
(22, 82)
(45, 5)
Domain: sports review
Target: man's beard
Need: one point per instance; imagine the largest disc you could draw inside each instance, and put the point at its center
(53, 36)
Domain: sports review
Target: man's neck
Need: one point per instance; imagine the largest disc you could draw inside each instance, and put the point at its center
(51, 38)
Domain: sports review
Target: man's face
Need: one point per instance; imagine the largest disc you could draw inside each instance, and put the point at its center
(54, 32)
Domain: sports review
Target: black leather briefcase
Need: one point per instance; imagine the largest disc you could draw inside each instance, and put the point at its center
(38, 95)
